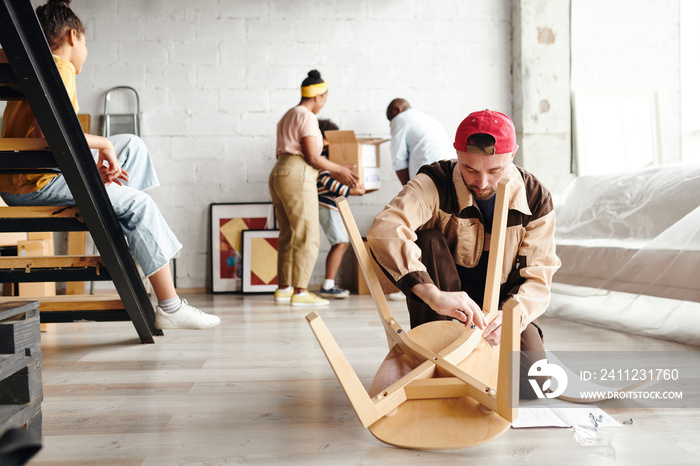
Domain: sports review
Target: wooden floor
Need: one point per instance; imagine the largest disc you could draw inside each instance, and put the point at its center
(258, 390)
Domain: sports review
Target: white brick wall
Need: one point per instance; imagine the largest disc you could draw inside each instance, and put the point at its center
(631, 45)
(215, 76)
(690, 76)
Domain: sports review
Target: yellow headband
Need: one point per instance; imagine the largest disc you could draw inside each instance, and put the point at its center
(312, 90)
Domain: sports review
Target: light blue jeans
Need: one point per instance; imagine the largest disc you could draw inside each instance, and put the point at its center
(151, 242)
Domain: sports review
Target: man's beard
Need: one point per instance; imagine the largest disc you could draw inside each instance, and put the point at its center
(484, 195)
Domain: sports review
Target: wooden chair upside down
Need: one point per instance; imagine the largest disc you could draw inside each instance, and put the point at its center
(461, 391)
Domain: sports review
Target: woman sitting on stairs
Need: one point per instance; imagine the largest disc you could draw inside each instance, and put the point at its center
(125, 166)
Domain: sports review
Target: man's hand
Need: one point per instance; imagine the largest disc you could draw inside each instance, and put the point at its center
(492, 334)
(455, 304)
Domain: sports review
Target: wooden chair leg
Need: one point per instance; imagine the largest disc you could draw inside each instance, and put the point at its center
(360, 400)
(508, 385)
(494, 268)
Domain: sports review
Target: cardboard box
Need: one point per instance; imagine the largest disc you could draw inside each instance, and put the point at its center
(38, 244)
(345, 148)
(10, 239)
(373, 178)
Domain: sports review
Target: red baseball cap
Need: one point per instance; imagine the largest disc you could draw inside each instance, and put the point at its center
(489, 122)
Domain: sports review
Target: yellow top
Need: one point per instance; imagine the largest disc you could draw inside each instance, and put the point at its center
(18, 122)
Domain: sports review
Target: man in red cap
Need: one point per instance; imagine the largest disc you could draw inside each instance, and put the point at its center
(432, 239)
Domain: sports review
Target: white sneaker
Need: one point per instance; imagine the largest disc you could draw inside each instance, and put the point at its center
(396, 296)
(186, 317)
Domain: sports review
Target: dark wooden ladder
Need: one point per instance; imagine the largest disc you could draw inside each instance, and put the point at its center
(29, 73)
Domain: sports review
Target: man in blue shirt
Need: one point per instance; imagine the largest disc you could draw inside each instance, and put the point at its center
(417, 139)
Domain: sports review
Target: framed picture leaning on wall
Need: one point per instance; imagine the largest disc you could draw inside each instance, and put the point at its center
(259, 274)
(228, 221)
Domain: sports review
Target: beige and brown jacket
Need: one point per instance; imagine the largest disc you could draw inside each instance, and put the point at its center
(438, 198)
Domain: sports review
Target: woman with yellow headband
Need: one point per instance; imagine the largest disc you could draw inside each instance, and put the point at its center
(293, 191)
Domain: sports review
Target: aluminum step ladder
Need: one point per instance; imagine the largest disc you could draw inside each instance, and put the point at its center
(121, 123)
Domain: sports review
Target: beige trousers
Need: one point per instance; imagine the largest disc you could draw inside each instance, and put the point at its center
(294, 194)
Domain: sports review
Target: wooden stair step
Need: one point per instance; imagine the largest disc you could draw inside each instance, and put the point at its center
(29, 262)
(7, 76)
(8, 92)
(26, 155)
(73, 268)
(22, 144)
(42, 218)
(17, 212)
(71, 302)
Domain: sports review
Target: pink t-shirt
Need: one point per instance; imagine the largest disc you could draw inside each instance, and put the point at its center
(299, 122)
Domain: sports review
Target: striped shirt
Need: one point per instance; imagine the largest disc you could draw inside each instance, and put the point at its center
(329, 188)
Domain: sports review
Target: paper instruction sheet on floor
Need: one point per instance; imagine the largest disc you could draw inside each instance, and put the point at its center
(562, 417)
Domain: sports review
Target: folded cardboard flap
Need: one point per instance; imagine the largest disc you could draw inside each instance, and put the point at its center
(345, 148)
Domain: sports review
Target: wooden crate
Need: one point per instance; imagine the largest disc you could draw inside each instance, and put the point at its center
(21, 389)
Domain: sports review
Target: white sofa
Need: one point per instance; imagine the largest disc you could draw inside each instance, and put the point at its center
(630, 251)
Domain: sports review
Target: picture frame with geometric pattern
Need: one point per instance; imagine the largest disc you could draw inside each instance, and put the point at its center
(260, 261)
(228, 222)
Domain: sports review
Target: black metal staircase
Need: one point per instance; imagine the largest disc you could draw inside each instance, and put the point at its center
(30, 73)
